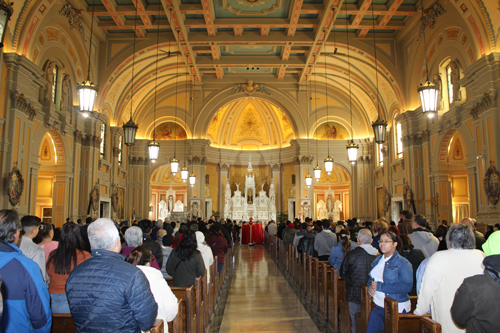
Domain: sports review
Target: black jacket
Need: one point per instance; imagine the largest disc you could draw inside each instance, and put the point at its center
(415, 257)
(306, 244)
(155, 248)
(355, 268)
(107, 294)
(477, 302)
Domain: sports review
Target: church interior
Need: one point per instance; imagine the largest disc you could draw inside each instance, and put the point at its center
(263, 109)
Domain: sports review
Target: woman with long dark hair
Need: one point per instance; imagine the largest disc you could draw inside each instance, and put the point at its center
(62, 261)
(142, 257)
(414, 256)
(47, 244)
(185, 263)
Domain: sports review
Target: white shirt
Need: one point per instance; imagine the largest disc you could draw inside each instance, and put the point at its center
(35, 253)
(377, 273)
(164, 297)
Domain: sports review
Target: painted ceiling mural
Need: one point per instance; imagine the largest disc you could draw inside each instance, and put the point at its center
(331, 131)
(169, 131)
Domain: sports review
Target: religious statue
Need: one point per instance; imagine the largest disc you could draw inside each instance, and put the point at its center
(329, 204)
(455, 78)
(250, 197)
(170, 204)
(50, 77)
(194, 210)
(162, 210)
(436, 80)
(207, 192)
(292, 191)
(305, 209)
(95, 196)
(336, 210)
(65, 91)
(15, 185)
(237, 187)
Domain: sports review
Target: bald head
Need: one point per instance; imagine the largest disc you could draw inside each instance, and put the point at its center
(469, 221)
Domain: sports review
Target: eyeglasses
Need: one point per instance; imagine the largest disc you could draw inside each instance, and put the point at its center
(386, 242)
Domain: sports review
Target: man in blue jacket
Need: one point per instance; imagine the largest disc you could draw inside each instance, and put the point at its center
(107, 294)
(26, 299)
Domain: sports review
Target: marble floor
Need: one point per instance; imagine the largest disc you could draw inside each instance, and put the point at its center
(260, 299)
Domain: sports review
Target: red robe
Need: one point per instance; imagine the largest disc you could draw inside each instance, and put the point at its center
(252, 233)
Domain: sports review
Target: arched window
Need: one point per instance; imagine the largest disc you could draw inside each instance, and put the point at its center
(399, 141)
(120, 142)
(449, 84)
(103, 140)
(54, 86)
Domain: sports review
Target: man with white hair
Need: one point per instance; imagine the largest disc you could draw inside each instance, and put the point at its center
(105, 293)
(133, 237)
(355, 268)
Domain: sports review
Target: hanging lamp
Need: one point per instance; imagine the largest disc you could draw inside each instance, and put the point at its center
(154, 146)
(308, 176)
(87, 91)
(428, 91)
(192, 176)
(352, 148)
(6, 11)
(184, 169)
(328, 159)
(380, 125)
(317, 168)
(130, 128)
(174, 163)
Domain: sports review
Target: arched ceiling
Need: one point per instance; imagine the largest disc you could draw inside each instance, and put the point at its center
(248, 124)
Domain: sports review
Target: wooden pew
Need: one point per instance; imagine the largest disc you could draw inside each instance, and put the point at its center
(309, 281)
(344, 317)
(366, 307)
(427, 325)
(333, 306)
(206, 300)
(318, 270)
(324, 274)
(188, 309)
(198, 287)
(314, 282)
(303, 279)
(63, 323)
(174, 326)
(400, 322)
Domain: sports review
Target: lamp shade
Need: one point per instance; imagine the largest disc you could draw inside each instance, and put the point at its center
(328, 165)
(129, 130)
(317, 172)
(174, 165)
(309, 180)
(379, 130)
(5, 14)
(428, 98)
(87, 92)
(154, 149)
(192, 179)
(352, 151)
(184, 173)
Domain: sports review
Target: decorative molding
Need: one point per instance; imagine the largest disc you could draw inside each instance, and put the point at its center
(133, 160)
(492, 185)
(78, 136)
(14, 185)
(23, 104)
(116, 152)
(251, 4)
(223, 167)
(429, 19)
(75, 18)
(400, 162)
(198, 160)
(250, 88)
(482, 103)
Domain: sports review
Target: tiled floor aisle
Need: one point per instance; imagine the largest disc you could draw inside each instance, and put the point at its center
(260, 299)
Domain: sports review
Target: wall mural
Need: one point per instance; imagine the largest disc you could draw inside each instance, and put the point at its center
(167, 131)
(331, 131)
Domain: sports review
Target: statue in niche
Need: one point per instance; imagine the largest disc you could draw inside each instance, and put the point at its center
(329, 204)
(250, 197)
(49, 76)
(194, 211)
(170, 204)
(162, 210)
(436, 80)
(292, 191)
(455, 78)
(207, 192)
(65, 93)
(336, 210)
(305, 209)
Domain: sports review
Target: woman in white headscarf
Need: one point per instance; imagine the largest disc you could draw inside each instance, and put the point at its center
(206, 252)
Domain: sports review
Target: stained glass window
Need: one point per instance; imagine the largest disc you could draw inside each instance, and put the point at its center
(103, 137)
(54, 86)
(120, 142)
(450, 85)
(399, 140)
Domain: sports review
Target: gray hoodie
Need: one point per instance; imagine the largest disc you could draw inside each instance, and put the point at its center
(369, 249)
(424, 241)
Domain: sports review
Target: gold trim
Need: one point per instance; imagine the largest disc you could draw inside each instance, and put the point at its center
(263, 12)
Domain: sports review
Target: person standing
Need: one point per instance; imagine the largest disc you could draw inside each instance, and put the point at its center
(423, 239)
(146, 227)
(26, 300)
(122, 301)
(218, 244)
(31, 226)
(324, 241)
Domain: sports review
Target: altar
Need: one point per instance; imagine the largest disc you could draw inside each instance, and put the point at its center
(242, 206)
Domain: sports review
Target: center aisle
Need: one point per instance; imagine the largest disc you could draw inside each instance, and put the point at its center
(260, 299)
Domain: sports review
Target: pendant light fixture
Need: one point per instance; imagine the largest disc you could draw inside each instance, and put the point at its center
(379, 125)
(428, 91)
(328, 159)
(6, 11)
(87, 91)
(317, 168)
(352, 148)
(192, 176)
(184, 169)
(130, 128)
(309, 179)
(154, 146)
(174, 163)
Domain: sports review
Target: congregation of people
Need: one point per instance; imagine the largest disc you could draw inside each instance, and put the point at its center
(454, 271)
(88, 269)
